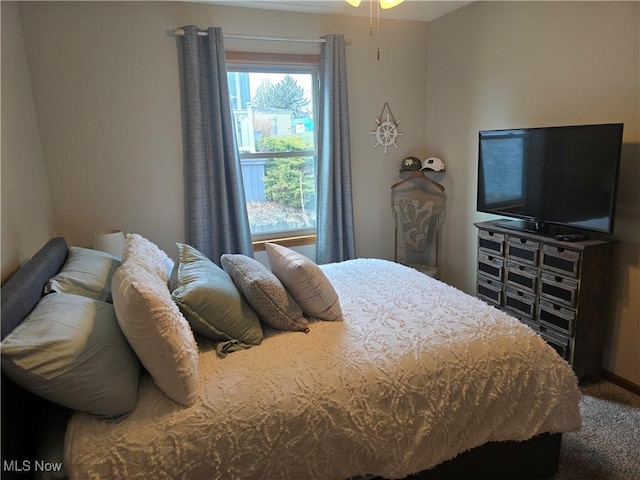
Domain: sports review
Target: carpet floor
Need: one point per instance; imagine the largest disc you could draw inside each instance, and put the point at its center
(608, 445)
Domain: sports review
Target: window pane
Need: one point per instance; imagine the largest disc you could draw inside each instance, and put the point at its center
(269, 106)
(280, 193)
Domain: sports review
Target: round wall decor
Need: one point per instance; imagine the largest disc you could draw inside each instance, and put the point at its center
(387, 130)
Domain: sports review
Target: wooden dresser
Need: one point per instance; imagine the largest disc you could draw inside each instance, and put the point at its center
(560, 289)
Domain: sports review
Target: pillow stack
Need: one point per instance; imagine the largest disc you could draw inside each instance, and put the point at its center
(70, 349)
(229, 305)
(78, 349)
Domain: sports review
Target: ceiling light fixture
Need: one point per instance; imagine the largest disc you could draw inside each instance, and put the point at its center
(390, 3)
(384, 4)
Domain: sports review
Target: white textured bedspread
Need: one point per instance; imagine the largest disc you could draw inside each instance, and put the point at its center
(417, 373)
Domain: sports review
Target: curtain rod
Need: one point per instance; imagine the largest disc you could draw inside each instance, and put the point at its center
(180, 33)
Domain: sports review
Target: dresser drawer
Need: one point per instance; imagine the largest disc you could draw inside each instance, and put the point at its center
(560, 289)
(522, 276)
(523, 250)
(519, 303)
(558, 259)
(489, 290)
(556, 316)
(559, 342)
(491, 242)
(490, 265)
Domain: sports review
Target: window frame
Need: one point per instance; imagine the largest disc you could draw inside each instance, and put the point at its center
(283, 64)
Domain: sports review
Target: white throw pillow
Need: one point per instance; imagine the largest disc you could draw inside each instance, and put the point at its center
(148, 255)
(157, 331)
(305, 281)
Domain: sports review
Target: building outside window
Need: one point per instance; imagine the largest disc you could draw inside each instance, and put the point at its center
(274, 111)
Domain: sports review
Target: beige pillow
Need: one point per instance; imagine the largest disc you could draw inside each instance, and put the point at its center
(265, 293)
(147, 254)
(157, 331)
(305, 281)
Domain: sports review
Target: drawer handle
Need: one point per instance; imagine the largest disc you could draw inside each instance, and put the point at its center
(556, 307)
(523, 240)
(559, 279)
(521, 268)
(560, 249)
(520, 294)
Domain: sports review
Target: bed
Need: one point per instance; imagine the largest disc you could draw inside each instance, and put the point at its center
(415, 378)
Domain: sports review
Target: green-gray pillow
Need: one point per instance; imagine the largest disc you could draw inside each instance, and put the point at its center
(211, 302)
(86, 272)
(70, 350)
(265, 293)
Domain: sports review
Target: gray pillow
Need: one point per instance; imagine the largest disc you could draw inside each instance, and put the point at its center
(265, 293)
(86, 272)
(211, 302)
(71, 351)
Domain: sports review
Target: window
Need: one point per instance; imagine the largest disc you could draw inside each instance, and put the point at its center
(274, 112)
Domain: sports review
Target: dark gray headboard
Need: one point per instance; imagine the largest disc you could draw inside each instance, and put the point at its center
(23, 414)
(25, 288)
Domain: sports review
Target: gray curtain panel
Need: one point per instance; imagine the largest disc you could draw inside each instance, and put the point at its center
(335, 239)
(217, 213)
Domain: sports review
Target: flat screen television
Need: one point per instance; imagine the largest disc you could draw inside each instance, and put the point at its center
(553, 180)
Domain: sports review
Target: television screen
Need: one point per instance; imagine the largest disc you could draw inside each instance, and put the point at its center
(552, 176)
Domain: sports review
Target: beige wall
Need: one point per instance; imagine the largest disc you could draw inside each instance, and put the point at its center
(106, 86)
(27, 218)
(520, 64)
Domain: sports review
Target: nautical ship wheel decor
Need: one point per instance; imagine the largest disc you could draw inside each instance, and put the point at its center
(387, 131)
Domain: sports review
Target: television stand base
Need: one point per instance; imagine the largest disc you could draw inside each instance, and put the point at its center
(543, 229)
(530, 226)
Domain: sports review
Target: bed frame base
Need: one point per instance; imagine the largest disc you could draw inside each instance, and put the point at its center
(533, 459)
